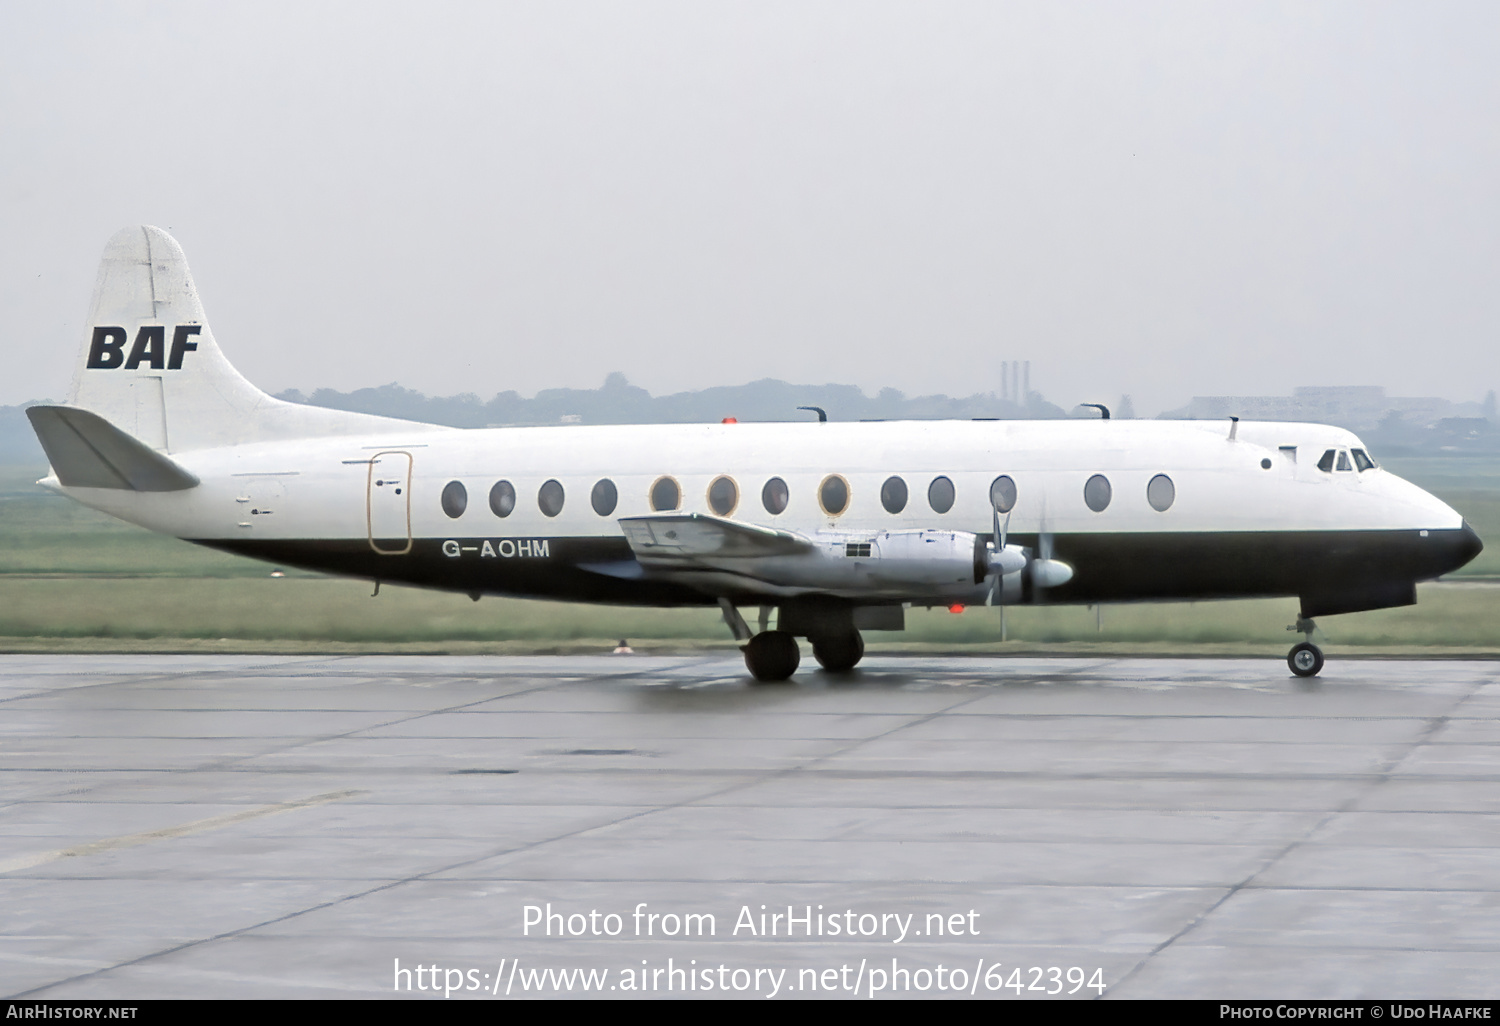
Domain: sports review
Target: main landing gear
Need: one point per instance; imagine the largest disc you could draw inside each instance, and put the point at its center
(774, 655)
(1305, 659)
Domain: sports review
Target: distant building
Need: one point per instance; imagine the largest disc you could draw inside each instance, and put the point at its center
(1357, 407)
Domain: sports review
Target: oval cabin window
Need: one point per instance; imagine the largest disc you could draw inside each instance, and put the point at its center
(665, 495)
(1097, 493)
(940, 495)
(1003, 493)
(893, 495)
(604, 497)
(774, 496)
(550, 498)
(833, 495)
(1161, 493)
(455, 499)
(502, 499)
(723, 496)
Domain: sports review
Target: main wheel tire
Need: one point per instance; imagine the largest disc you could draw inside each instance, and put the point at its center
(839, 653)
(1305, 659)
(772, 656)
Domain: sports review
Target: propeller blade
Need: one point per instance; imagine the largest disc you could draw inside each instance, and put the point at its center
(1001, 562)
(1046, 572)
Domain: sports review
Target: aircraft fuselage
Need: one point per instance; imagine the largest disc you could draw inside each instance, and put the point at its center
(372, 506)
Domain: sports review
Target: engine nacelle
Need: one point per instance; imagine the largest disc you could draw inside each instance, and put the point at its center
(912, 564)
(929, 558)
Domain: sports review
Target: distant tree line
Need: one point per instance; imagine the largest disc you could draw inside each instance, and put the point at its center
(619, 402)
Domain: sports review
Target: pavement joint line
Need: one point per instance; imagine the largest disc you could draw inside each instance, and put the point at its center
(157, 677)
(544, 685)
(366, 892)
(811, 881)
(1422, 738)
(229, 765)
(833, 714)
(772, 775)
(634, 815)
(197, 826)
(198, 674)
(558, 738)
(389, 885)
(1186, 776)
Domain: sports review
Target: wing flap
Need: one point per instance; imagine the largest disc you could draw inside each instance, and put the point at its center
(675, 539)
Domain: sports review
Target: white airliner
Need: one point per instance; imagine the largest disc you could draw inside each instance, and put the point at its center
(833, 527)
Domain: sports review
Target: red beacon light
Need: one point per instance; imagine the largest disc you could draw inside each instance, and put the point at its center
(955, 609)
(729, 420)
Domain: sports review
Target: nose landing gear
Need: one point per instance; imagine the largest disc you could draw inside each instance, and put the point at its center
(1305, 659)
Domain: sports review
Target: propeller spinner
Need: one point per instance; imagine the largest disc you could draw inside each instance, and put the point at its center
(1004, 558)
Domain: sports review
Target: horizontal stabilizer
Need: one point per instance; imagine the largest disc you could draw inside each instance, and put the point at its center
(87, 451)
(677, 537)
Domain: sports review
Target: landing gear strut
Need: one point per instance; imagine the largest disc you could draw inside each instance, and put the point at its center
(838, 653)
(1305, 659)
(772, 656)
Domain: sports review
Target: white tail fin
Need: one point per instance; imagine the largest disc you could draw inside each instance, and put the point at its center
(151, 367)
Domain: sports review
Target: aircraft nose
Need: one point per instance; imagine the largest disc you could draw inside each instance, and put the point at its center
(1460, 547)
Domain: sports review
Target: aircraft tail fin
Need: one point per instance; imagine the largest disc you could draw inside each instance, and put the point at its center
(151, 365)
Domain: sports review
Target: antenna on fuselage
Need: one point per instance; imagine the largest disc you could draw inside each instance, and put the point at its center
(822, 414)
(1100, 407)
(1234, 425)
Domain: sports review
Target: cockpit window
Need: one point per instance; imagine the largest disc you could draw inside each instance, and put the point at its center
(1362, 460)
(1344, 461)
(1326, 463)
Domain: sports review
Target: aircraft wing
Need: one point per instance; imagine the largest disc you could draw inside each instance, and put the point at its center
(729, 557)
(696, 539)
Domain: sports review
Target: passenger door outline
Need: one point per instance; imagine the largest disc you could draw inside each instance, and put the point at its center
(389, 498)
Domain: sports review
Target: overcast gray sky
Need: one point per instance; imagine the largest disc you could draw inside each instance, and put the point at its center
(1161, 199)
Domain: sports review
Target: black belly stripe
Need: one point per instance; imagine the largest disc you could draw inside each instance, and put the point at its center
(1333, 571)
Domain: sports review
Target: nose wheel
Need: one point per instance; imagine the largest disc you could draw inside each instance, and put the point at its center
(1305, 659)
